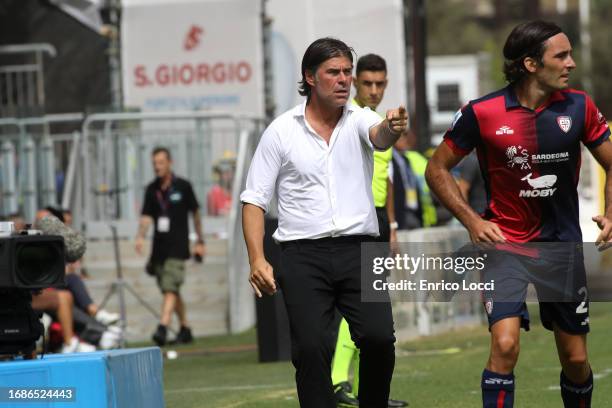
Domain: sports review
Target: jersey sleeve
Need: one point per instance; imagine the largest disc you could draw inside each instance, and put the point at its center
(596, 129)
(464, 133)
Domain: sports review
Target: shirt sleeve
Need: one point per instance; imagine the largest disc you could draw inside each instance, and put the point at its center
(365, 118)
(464, 133)
(265, 166)
(596, 130)
(148, 207)
(192, 201)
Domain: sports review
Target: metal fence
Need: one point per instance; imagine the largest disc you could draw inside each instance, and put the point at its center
(33, 159)
(22, 87)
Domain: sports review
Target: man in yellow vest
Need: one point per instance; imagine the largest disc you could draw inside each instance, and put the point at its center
(370, 83)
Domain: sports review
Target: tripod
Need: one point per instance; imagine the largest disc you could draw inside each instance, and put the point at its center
(118, 287)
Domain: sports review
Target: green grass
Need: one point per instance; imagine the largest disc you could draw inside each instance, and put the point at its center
(215, 372)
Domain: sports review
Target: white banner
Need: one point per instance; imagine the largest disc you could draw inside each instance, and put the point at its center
(193, 54)
(368, 26)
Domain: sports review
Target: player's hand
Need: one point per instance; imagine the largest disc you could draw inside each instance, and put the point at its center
(604, 240)
(485, 231)
(262, 278)
(138, 245)
(397, 119)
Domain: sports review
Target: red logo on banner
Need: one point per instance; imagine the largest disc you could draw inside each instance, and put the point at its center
(192, 39)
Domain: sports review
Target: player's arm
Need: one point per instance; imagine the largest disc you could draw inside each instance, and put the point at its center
(143, 227)
(603, 155)
(261, 277)
(386, 133)
(443, 184)
(464, 187)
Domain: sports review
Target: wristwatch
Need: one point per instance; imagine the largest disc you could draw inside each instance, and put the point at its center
(393, 225)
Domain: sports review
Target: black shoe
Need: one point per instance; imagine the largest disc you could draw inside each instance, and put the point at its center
(184, 336)
(344, 397)
(397, 403)
(159, 337)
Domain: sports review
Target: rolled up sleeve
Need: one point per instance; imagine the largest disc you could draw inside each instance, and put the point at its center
(365, 119)
(265, 166)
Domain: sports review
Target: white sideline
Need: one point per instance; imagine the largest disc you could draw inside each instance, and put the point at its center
(229, 388)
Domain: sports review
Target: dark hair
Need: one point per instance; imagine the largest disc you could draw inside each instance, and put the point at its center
(317, 53)
(160, 149)
(526, 40)
(371, 62)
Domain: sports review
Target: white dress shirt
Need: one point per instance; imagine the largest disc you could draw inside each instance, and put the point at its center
(323, 190)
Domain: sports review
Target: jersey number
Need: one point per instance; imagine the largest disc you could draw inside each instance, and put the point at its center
(582, 306)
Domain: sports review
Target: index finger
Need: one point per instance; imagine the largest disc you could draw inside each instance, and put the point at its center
(269, 281)
(402, 110)
(255, 289)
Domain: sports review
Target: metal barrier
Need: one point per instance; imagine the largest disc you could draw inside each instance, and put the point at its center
(116, 155)
(31, 159)
(22, 87)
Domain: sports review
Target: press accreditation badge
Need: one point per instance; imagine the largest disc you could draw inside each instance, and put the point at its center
(163, 224)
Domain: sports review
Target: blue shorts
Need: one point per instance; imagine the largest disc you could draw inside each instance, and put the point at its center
(559, 278)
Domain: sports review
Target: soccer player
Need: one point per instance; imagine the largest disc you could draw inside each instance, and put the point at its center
(370, 84)
(318, 159)
(530, 200)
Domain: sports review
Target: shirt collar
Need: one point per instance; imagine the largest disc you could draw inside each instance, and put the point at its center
(513, 102)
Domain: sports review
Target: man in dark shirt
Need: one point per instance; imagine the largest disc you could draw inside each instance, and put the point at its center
(168, 201)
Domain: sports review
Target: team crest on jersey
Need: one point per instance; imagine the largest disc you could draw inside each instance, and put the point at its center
(565, 123)
(489, 306)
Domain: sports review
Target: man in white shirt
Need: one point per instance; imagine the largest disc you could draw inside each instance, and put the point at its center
(318, 159)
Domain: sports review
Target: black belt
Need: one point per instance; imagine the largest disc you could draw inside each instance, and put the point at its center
(343, 239)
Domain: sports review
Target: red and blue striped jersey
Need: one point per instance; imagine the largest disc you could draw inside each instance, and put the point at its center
(530, 159)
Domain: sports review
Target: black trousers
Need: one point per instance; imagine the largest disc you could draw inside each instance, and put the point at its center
(383, 224)
(318, 276)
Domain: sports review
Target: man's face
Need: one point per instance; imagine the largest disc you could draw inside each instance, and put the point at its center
(370, 87)
(161, 164)
(557, 62)
(331, 83)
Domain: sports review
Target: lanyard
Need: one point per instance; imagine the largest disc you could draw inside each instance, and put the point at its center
(164, 198)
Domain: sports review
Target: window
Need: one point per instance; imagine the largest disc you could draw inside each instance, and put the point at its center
(448, 97)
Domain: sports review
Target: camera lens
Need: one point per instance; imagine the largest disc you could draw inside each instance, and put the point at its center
(37, 263)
